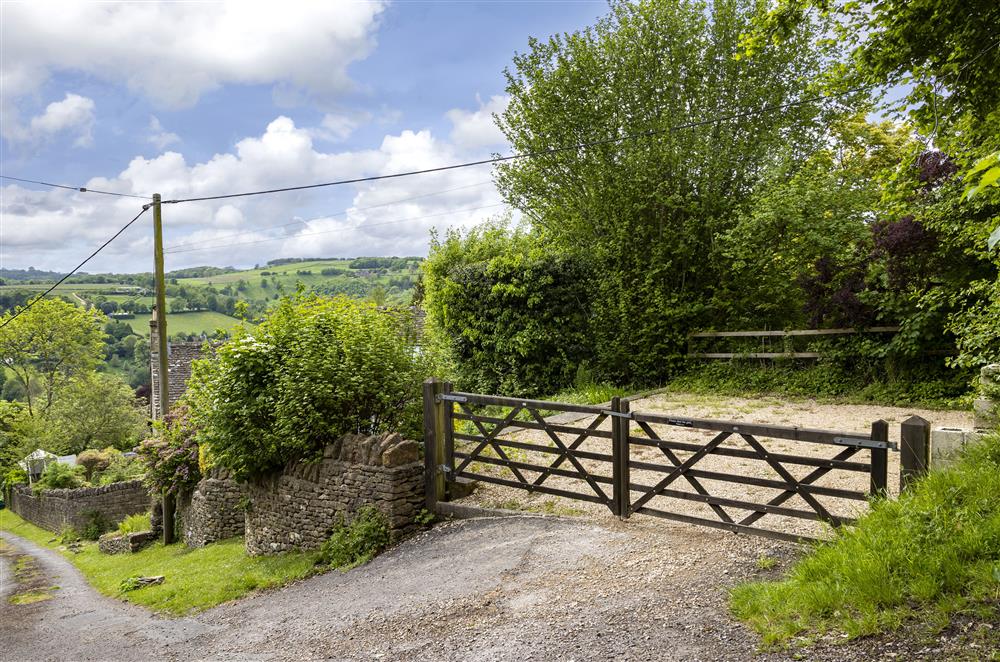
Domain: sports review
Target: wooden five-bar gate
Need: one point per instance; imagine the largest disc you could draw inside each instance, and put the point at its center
(588, 460)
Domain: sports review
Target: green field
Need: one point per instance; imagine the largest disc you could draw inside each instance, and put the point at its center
(187, 322)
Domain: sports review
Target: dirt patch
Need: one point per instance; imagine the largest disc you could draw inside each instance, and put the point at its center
(24, 581)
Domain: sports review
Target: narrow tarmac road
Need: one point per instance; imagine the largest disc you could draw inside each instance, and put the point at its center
(519, 588)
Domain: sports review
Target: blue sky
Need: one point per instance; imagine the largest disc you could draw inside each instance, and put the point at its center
(192, 99)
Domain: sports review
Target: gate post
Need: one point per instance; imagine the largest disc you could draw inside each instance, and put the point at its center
(434, 440)
(620, 456)
(914, 450)
(880, 460)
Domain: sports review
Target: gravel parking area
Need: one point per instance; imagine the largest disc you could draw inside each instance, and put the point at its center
(805, 414)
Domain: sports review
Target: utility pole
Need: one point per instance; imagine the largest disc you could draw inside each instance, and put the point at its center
(163, 385)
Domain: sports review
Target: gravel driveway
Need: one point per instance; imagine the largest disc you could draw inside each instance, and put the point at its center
(519, 588)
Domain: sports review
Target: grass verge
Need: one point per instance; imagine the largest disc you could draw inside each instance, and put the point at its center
(931, 554)
(196, 579)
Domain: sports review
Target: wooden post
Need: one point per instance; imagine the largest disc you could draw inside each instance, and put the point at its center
(434, 440)
(160, 311)
(168, 518)
(880, 461)
(914, 450)
(447, 426)
(620, 473)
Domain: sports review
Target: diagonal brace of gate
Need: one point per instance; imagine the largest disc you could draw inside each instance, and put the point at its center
(489, 439)
(566, 453)
(679, 470)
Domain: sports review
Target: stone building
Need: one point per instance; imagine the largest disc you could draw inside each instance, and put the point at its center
(180, 356)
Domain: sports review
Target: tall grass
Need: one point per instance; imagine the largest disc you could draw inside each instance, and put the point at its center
(933, 552)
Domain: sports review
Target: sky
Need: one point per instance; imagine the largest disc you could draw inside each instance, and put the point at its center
(191, 99)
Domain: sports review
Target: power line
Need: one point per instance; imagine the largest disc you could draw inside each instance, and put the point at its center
(339, 213)
(359, 227)
(512, 157)
(80, 189)
(75, 269)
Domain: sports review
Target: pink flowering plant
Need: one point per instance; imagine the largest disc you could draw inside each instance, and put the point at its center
(171, 457)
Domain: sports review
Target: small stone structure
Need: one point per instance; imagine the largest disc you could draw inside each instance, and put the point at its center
(56, 509)
(213, 510)
(180, 356)
(297, 507)
(946, 443)
(129, 543)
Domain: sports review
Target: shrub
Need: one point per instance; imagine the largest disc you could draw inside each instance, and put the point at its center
(15, 476)
(933, 549)
(515, 316)
(171, 458)
(313, 370)
(59, 476)
(95, 524)
(356, 543)
(135, 524)
(93, 461)
(120, 468)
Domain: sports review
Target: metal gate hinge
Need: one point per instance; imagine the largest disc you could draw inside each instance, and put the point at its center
(444, 397)
(444, 468)
(619, 414)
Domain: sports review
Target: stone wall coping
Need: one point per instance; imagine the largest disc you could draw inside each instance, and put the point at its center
(78, 492)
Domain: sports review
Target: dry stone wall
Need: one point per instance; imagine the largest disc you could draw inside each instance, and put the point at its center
(56, 509)
(213, 510)
(298, 507)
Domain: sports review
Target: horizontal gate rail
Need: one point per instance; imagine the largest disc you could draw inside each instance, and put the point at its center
(527, 446)
(860, 467)
(762, 508)
(565, 473)
(773, 431)
(478, 399)
(757, 482)
(531, 425)
(562, 461)
(735, 528)
(539, 488)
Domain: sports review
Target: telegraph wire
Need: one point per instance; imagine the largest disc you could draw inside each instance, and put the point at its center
(184, 244)
(525, 155)
(318, 218)
(75, 269)
(80, 189)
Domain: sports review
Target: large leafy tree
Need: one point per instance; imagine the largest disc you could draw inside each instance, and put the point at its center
(647, 209)
(47, 345)
(96, 410)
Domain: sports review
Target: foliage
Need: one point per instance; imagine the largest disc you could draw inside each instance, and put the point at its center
(646, 210)
(93, 461)
(797, 254)
(513, 314)
(121, 468)
(848, 378)
(95, 524)
(171, 457)
(199, 578)
(9, 479)
(135, 524)
(935, 549)
(94, 411)
(357, 542)
(47, 345)
(313, 370)
(59, 476)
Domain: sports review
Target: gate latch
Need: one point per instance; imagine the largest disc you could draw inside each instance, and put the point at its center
(862, 442)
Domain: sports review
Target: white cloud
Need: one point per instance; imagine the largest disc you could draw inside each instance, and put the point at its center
(173, 52)
(160, 136)
(74, 115)
(476, 129)
(51, 229)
